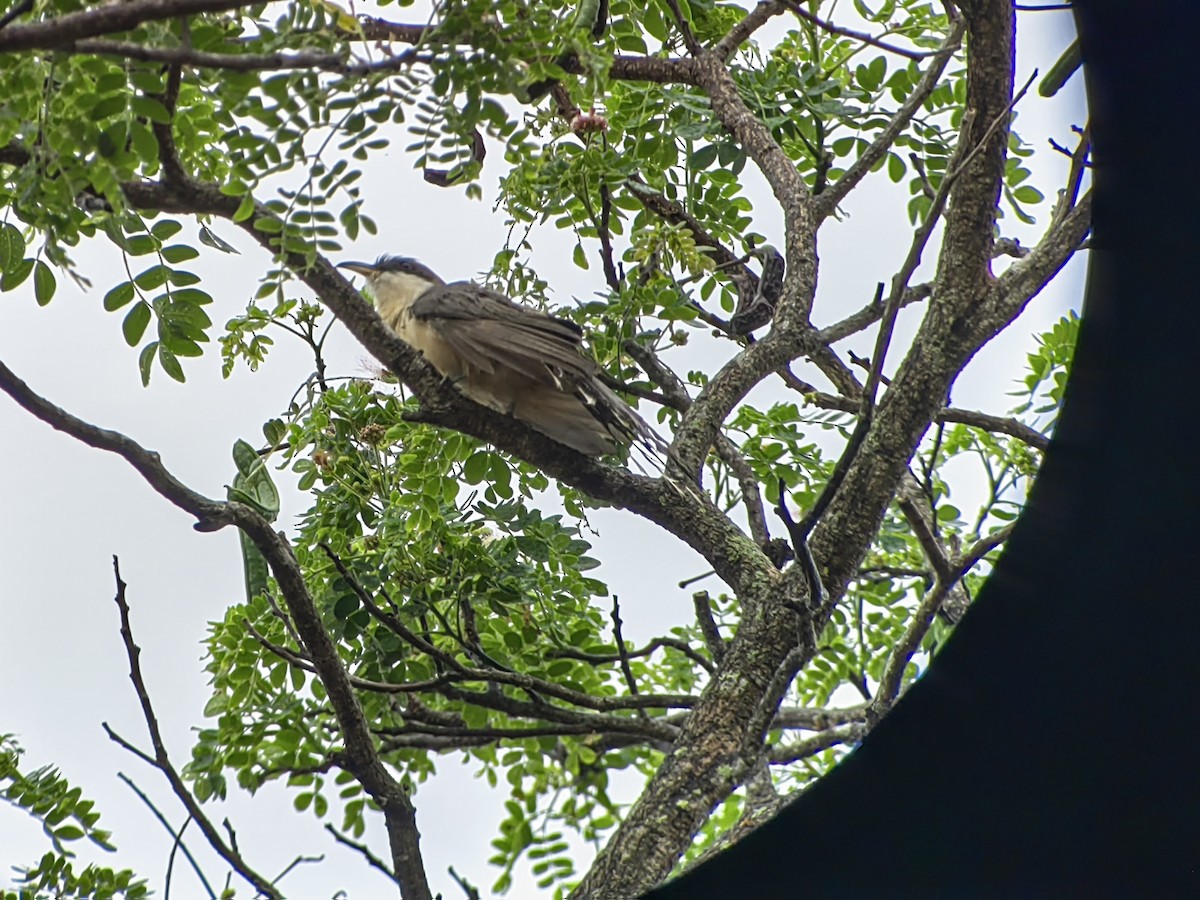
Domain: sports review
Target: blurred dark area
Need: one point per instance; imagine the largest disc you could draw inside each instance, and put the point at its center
(1045, 753)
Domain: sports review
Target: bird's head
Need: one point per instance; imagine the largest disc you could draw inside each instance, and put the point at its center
(395, 279)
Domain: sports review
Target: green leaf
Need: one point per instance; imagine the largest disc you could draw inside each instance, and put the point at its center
(268, 225)
(108, 106)
(210, 239)
(178, 253)
(153, 277)
(475, 469)
(1027, 193)
(16, 274)
(135, 323)
(166, 229)
(170, 363)
(12, 246)
(44, 283)
(948, 513)
(245, 209)
(140, 245)
(146, 361)
(149, 108)
(275, 432)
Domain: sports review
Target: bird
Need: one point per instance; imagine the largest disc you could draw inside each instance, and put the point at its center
(512, 358)
(755, 311)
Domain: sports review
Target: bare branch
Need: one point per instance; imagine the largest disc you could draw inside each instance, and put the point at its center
(869, 315)
(212, 514)
(689, 39)
(162, 761)
(176, 834)
(893, 672)
(818, 719)
(797, 750)
(919, 515)
(1079, 165)
(804, 14)
(657, 643)
(363, 850)
(622, 651)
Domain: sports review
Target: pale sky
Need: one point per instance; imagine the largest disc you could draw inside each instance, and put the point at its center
(68, 508)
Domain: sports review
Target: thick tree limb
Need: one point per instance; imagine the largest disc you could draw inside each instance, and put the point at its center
(762, 13)
(103, 19)
(699, 524)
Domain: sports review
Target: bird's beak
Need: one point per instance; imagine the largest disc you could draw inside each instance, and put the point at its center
(360, 268)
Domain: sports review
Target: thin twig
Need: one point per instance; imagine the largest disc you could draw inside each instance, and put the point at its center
(708, 625)
(177, 836)
(161, 760)
(656, 644)
(1079, 165)
(857, 35)
(798, 750)
(689, 39)
(364, 850)
(622, 652)
(469, 889)
(16, 12)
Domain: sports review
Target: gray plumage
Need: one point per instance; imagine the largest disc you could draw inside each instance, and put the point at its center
(514, 359)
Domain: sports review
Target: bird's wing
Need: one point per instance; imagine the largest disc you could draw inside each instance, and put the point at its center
(492, 332)
(497, 336)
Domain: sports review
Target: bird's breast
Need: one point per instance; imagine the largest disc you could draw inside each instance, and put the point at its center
(420, 336)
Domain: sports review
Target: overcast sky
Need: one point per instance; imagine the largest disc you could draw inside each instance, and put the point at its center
(67, 508)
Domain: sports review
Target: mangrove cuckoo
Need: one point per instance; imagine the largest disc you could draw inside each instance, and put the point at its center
(519, 361)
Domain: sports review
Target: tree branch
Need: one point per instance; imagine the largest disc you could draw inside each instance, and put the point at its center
(361, 758)
(691, 518)
(804, 14)
(763, 12)
(828, 199)
(105, 19)
(785, 754)
(918, 625)
(162, 761)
